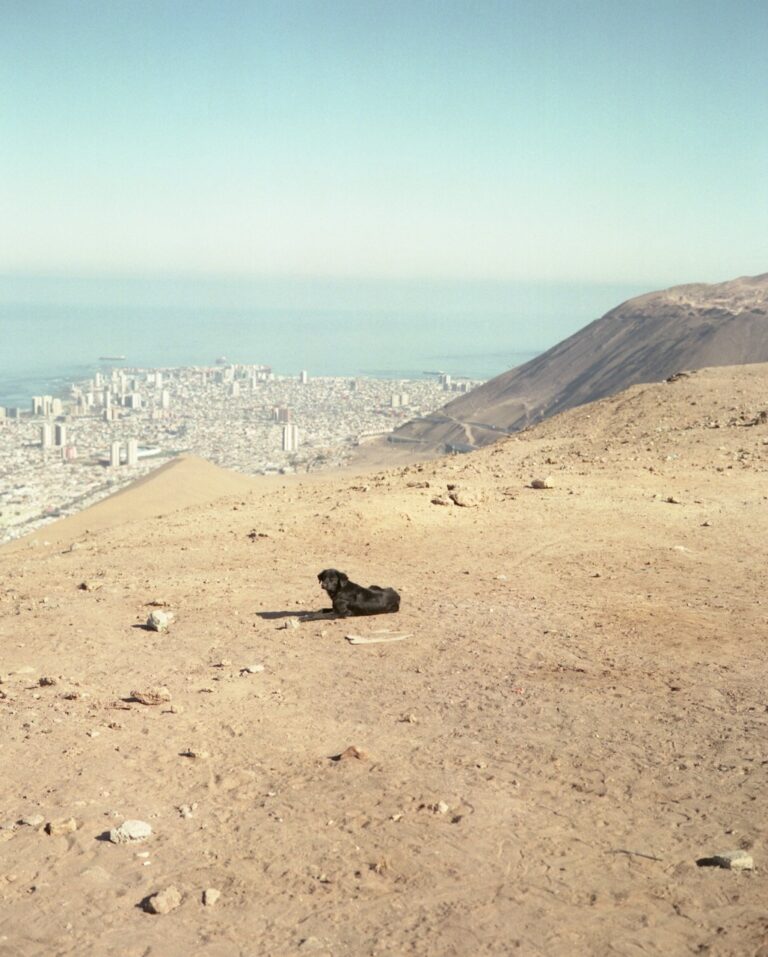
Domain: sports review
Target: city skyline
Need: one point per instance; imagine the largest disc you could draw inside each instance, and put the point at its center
(465, 141)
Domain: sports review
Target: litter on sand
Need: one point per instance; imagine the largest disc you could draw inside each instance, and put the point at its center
(377, 637)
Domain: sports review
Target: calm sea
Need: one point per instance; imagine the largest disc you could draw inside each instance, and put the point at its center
(52, 332)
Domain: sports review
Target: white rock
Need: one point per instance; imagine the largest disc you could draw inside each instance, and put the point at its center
(159, 620)
(33, 820)
(130, 832)
(164, 901)
(253, 669)
(735, 860)
(210, 896)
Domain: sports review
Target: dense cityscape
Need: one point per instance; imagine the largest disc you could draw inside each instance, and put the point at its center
(62, 454)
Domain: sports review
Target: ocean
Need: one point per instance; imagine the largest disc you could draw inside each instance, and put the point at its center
(53, 331)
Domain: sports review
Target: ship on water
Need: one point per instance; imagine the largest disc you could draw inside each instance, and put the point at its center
(111, 358)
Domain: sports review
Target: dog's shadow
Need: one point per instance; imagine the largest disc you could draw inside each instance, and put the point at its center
(303, 615)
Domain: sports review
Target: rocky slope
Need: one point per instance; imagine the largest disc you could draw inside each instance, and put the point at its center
(577, 717)
(643, 340)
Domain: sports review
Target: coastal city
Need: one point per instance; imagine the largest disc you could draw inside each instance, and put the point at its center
(63, 453)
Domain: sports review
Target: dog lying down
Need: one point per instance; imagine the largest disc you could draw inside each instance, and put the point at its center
(351, 599)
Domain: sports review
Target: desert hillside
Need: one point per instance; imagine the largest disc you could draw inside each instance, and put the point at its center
(576, 716)
(643, 340)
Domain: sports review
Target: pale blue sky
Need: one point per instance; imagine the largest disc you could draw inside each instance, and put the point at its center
(615, 142)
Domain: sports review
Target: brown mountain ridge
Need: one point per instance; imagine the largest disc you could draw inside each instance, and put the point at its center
(645, 339)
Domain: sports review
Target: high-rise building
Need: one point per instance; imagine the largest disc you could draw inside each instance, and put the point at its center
(234, 390)
(59, 434)
(133, 452)
(46, 435)
(290, 438)
(165, 399)
(57, 407)
(114, 455)
(304, 377)
(281, 414)
(37, 405)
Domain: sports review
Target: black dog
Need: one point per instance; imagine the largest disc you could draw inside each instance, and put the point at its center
(351, 599)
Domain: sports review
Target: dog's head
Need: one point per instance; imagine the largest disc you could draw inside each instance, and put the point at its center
(332, 580)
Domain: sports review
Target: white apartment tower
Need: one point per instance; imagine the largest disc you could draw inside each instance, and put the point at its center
(290, 438)
(133, 453)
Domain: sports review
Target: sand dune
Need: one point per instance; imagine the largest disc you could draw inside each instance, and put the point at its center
(180, 484)
(578, 717)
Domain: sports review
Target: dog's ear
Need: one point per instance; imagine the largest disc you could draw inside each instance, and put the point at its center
(343, 579)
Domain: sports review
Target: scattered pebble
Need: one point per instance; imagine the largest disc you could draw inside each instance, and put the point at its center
(547, 482)
(187, 810)
(159, 620)
(290, 623)
(731, 860)
(440, 500)
(152, 696)
(196, 755)
(465, 497)
(163, 902)
(130, 832)
(32, 820)
(63, 825)
(210, 896)
(252, 669)
(441, 807)
(46, 682)
(176, 709)
(350, 752)
(90, 585)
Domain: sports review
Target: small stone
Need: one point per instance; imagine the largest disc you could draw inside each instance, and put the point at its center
(466, 498)
(152, 696)
(130, 832)
(187, 810)
(176, 709)
(731, 860)
(64, 825)
(210, 896)
(440, 500)
(32, 820)
(252, 669)
(224, 663)
(90, 585)
(350, 753)
(159, 620)
(164, 901)
(290, 623)
(547, 482)
(441, 807)
(196, 755)
(46, 682)
(311, 943)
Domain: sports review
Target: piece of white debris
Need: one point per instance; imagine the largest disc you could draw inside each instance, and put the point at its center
(130, 832)
(377, 637)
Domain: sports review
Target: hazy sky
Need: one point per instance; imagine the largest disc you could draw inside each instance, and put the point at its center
(599, 141)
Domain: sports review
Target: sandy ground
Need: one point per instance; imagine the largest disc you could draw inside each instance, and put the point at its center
(578, 716)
